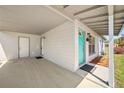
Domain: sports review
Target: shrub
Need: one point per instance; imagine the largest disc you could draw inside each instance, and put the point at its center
(118, 50)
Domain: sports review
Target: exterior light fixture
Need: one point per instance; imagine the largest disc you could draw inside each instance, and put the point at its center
(88, 37)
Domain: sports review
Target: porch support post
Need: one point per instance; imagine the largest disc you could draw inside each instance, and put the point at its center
(111, 47)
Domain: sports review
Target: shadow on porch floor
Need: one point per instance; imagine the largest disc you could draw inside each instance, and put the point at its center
(96, 78)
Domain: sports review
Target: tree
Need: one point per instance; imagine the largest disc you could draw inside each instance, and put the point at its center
(119, 41)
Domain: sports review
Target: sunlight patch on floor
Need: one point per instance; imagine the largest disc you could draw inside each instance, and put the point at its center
(3, 58)
(3, 63)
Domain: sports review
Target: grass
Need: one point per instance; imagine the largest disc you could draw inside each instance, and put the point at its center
(119, 69)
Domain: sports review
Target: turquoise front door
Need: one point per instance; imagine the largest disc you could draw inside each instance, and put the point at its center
(81, 47)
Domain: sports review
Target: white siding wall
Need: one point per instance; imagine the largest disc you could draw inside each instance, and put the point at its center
(9, 42)
(61, 45)
(58, 46)
(97, 38)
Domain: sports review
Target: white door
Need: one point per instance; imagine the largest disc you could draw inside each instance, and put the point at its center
(23, 47)
(40, 46)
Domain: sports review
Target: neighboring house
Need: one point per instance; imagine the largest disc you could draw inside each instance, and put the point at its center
(62, 38)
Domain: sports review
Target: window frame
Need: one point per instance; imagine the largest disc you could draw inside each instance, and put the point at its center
(92, 45)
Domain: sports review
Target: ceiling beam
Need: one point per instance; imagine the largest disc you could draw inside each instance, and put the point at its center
(89, 9)
(106, 33)
(105, 22)
(65, 6)
(97, 30)
(98, 27)
(122, 18)
(101, 31)
(97, 24)
(107, 27)
(97, 21)
(101, 15)
(120, 11)
(95, 16)
(122, 22)
(117, 25)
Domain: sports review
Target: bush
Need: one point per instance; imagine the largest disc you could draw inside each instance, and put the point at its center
(118, 50)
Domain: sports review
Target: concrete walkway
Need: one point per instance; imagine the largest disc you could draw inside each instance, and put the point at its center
(96, 79)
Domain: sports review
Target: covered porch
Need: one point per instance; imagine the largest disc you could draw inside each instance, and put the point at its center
(104, 20)
(94, 21)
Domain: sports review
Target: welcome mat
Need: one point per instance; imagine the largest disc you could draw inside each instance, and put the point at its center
(87, 68)
(39, 57)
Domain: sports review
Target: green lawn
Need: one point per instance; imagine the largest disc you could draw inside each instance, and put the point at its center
(119, 69)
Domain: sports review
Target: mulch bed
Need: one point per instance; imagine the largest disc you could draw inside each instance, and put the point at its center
(101, 60)
(119, 50)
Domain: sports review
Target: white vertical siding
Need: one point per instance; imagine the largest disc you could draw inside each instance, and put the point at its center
(58, 45)
(9, 42)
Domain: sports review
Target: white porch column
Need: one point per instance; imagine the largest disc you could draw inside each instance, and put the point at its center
(76, 46)
(111, 47)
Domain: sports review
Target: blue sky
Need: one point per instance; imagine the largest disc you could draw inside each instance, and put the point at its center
(120, 34)
(122, 31)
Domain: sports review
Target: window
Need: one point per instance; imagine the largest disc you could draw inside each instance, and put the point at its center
(91, 45)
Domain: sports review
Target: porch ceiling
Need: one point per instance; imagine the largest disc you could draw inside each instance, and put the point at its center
(32, 19)
(96, 16)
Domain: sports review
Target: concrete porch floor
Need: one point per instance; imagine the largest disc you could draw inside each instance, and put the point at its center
(41, 73)
(95, 79)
